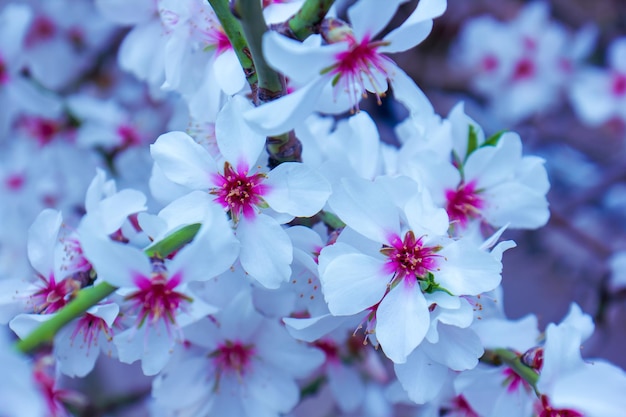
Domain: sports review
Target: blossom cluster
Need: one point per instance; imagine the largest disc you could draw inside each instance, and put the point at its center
(531, 64)
(254, 248)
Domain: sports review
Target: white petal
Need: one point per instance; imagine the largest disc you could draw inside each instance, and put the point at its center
(114, 210)
(212, 251)
(191, 208)
(311, 329)
(408, 93)
(491, 165)
(272, 388)
(402, 320)
(467, 270)
(266, 251)
(282, 115)
(416, 27)
(520, 335)
(425, 218)
(279, 350)
(347, 386)
(458, 349)
(15, 20)
(617, 55)
(184, 384)
(176, 47)
(42, 238)
(353, 283)
(142, 54)
(150, 344)
(366, 207)
(368, 17)
(421, 377)
(517, 205)
(183, 161)
(127, 12)
(25, 324)
(296, 189)
(238, 143)
(299, 61)
(597, 389)
(228, 72)
(116, 263)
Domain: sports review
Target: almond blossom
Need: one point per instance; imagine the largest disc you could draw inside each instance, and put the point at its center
(334, 76)
(394, 279)
(599, 94)
(157, 302)
(256, 200)
(237, 363)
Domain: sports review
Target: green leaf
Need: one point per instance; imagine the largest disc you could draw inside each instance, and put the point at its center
(472, 141)
(494, 139)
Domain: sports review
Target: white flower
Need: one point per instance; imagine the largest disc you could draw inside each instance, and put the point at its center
(391, 275)
(335, 76)
(244, 190)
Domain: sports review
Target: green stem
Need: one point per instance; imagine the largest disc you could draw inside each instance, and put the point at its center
(173, 242)
(271, 83)
(285, 147)
(307, 20)
(90, 296)
(514, 361)
(234, 32)
(85, 298)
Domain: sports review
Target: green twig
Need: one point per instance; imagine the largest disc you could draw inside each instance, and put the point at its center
(90, 296)
(514, 361)
(173, 242)
(271, 83)
(306, 21)
(234, 32)
(285, 147)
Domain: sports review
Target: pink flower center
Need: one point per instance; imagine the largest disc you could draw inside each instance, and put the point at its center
(330, 349)
(239, 192)
(462, 407)
(42, 29)
(55, 398)
(43, 130)
(216, 39)
(464, 203)
(618, 86)
(524, 69)
(74, 260)
(156, 299)
(15, 182)
(360, 66)
(129, 136)
(548, 411)
(51, 297)
(233, 357)
(409, 257)
(4, 72)
(489, 63)
(90, 326)
(513, 381)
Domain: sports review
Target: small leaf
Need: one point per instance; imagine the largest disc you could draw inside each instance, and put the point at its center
(494, 139)
(472, 141)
